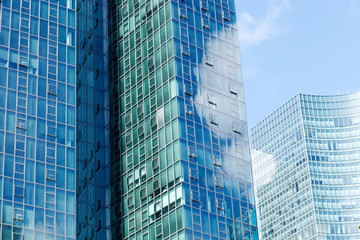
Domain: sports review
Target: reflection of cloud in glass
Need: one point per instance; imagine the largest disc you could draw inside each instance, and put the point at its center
(263, 158)
(219, 100)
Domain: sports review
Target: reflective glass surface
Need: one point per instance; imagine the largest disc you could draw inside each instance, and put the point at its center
(93, 154)
(306, 169)
(180, 164)
(37, 119)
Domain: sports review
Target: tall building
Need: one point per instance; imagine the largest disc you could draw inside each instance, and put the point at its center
(180, 164)
(122, 120)
(306, 165)
(37, 119)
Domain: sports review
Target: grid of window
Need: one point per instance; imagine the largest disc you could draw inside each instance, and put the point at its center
(305, 161)
(180, 155)
(93, 154)
(37, 119)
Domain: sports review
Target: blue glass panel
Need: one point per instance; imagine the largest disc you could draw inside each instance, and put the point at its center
(39, 195)
(60, 177)
(5, 21)
(12, 80)
(7, 212)
(60, 155)
(43, 28)
(4, 38)
(70, 225)
(9, 166)
(39, 219)
(44, 10)
(70, 202)
(43, 43)
(8, 189)
(2, 119)
(9, 143)
(14, 41)
(11, 100)
(41, 107)
(29, 196)
(70, 179)
(15, 20)
(60, 199)
(40, 150)
(34, 26)
(60, 223)
(40, 172)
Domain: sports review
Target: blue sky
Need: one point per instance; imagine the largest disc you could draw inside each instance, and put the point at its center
(297, 46)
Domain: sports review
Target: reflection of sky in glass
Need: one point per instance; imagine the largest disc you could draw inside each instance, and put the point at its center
(193, 124)
(305, 161)
(214, 93)
(37, 120)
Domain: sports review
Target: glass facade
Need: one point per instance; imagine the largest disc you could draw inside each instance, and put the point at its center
(306, 169)
(180, 164)
(123, 119)
(92, 126)
(37, 119)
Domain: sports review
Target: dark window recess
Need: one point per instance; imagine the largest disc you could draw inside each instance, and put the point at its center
(52, 89)
(205, 24)
(192, 152)
(220, 204)
(212, 119)
(226, 16)
(195, 196)
(189, 110)
(182, 13)
(50, 175)
(217, 161)
(21, 123)
(185, 51)
(194, 174)
(204, 5)
(236, 128)
(232, 90)
(188, 89)
(155, 164)
(23, 61)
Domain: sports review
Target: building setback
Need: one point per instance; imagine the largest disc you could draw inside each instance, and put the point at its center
(306, 165)
(180, 164)
(92, 126)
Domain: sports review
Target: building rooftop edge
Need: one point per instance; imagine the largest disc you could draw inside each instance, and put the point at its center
(297, 96)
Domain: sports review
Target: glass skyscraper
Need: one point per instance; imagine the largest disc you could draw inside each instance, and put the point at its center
(37, 119)
(180, 164)
(123, 120)
(306, 163)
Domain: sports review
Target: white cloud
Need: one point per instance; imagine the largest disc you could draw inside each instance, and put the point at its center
(253, 31)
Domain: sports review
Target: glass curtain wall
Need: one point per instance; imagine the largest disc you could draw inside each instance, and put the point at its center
(180, 164)
(306, 169)
(37, 119)
(93, 154)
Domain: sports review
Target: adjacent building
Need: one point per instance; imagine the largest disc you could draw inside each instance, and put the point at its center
(306, 166)
(180, 164)
(37, 119)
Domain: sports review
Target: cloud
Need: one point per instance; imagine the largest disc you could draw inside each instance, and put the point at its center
(253, 31)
